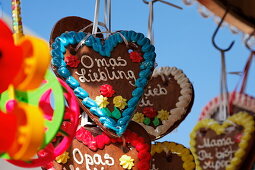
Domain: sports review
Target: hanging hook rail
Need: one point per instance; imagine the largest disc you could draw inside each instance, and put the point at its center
(164, 2)
(247, 42)
(215, 33)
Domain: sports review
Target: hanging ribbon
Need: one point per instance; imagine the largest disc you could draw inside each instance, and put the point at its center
(246, 72)
(150, 34)
(223, 108)
(242, 82)
(107, 14)
(96, 15)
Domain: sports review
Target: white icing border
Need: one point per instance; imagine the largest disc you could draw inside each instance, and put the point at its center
(182, 104)
(241, 100)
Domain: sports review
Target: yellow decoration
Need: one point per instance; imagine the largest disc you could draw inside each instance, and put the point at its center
(30, 135)
(119, 102)
(126, 162)
(243, 119)
(138, 117)
(63, 158)
(36, 62)
(163, 114)
(102, 101)
(184, 153)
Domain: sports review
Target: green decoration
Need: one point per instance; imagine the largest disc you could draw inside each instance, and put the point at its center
(107, 111)
(116, 113)
(147, 121)
(156, 121)
(33, 97)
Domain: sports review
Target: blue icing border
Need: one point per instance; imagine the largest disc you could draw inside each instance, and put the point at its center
(70, 38)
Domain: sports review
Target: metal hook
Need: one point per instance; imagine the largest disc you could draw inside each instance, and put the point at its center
(164, 2)
(215, 33)
(247, 40)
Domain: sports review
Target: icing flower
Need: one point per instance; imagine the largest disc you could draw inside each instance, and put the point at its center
(119, 102)
(138, 117)
(156, 121)
(238, 138)
(107, 90)
(149, 112)
(72, 61)
(126, 162)
(102, 101)
(135, 56)
(63, 158)
(163, 114)
(147, 121)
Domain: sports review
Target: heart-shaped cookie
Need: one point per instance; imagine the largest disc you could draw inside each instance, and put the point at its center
(108, 76)
(225, 146)
(93, 149)
(239, 102)
(170, 155)
(166, 102)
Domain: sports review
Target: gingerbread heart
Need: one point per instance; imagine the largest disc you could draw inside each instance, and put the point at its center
(225, 146)
(239, 102)
(93, 149)
(108, 76)
(170, 155)
(166, 102)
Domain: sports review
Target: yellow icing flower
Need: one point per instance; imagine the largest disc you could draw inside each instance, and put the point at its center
(119, 102)
(63, 158)
(101, 101)
(138, 117)
(126, 162)
(163, 114)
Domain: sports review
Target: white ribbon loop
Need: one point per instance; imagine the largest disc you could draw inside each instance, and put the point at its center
(96, 15)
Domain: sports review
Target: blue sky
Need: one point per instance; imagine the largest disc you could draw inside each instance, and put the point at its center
(182, 39)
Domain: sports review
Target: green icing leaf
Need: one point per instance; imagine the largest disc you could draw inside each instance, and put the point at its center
(147, 121)
(116, 113)
(156, 121)
(107, 111)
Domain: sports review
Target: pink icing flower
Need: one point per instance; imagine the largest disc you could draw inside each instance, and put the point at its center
(135, 56)
(106, 90)
(149, 112)
(72, 61)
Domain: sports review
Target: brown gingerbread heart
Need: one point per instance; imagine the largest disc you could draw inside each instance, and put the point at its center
(93, 149)
(108, 76)
(225, 146)
(170, 155)
(166, 102)
(239, 102)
